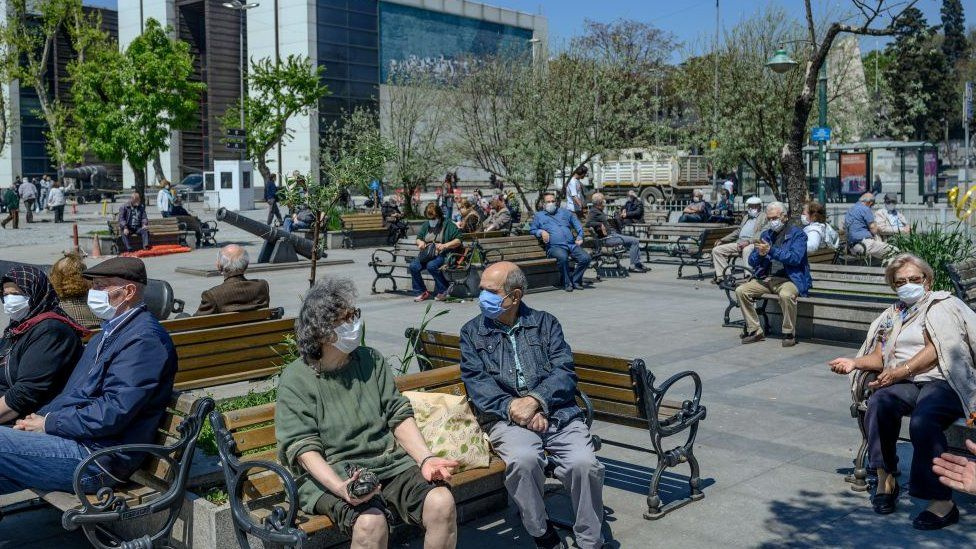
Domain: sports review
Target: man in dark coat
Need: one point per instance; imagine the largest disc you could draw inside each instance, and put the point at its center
(236, 293)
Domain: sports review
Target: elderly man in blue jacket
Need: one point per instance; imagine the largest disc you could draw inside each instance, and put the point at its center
(117, 394)
(780, 266)
(555, 227)
(518, 372)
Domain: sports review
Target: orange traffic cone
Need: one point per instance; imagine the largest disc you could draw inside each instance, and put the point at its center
(96, 247)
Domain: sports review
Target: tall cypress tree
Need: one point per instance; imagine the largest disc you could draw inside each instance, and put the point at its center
(954, 28)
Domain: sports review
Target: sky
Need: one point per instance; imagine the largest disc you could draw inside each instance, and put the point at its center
(689, 20)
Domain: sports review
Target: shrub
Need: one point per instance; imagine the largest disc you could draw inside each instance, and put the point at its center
(207, 441)
(940, 246)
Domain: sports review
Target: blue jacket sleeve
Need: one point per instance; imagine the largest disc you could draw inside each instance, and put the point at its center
(535, 227)
(134, 375)
(794, 254)
(559, 386)
(488, 398)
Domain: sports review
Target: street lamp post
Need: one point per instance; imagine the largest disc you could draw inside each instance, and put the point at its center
(780, 63)
(241, 7)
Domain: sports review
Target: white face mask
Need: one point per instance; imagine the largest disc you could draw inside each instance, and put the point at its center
(16, 306)
(804, 219)
(550, 207)
(776, 225)
(348, 336)
(753, 213)
(99, 303)
(911, 293)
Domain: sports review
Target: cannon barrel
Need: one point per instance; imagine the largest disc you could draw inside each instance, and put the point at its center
(303, 246)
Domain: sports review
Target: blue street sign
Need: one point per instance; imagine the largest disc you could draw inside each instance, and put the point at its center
(821, 133)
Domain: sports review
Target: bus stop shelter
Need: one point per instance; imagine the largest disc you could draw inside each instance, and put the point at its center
(908, 168)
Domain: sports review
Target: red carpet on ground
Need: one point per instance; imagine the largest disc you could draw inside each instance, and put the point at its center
(164, 249)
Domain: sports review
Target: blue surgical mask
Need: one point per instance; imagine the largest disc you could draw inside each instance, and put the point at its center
(491, 304)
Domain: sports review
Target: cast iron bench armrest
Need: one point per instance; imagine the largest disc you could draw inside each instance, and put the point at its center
(279, 526)
(375, 259)
(111, 508)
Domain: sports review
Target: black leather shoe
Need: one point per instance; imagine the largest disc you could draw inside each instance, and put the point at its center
(569, 288)
(549, 540)
(927, 520)
(885, 504)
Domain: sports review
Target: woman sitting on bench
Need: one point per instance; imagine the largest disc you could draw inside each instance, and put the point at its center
(922, 347)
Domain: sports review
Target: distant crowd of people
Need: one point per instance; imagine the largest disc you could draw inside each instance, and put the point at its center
(32, 196)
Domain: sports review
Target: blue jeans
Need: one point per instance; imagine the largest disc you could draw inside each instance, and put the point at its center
(434, 268)
(143, 234)
(562, 255)
(44, 462)
(630, 242)
(291, 226)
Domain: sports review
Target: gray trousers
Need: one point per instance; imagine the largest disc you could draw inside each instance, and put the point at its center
(630, 242)
(524, 454)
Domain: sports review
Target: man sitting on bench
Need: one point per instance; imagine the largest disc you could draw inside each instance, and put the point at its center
(597, 220)
(698, 211)
(555, 226)
(133, 219)
(780, 264)
(739, 243)
(499, 218)
(117, 394)
(235, 293)
(518, 372)
(862, 231)
(350, 437)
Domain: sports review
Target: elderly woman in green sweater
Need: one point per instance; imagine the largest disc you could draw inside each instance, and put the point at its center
(339, 415)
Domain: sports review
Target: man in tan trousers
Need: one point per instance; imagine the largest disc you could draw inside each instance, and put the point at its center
(739, 243)
(780, 266)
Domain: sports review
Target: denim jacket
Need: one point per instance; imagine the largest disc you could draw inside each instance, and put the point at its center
(488, 367)
(792, 254)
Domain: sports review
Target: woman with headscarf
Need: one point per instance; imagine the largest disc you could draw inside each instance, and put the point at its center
(39, 347)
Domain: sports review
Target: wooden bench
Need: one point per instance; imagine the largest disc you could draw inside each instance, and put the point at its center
(528, 253)
(229, 354)
(394, 264)
(158, 486)
(162, 231)
(257, 484)
(690, 243)
(362, 229)
(963, 276)
(216, 321)
(619, 390)
(842, 304)
(204, 232)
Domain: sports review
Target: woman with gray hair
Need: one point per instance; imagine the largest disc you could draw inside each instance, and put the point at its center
(922, 349)
(350, 436)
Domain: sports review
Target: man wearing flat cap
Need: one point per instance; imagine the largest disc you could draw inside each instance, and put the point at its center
(117, 394)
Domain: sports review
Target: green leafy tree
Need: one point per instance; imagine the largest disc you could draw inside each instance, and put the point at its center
(127, 104)
(353, 153)
(277, 91)
(29, 35)
(921, 90)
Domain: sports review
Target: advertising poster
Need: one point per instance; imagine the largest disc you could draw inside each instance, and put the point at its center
(930, 173)
(854, 173)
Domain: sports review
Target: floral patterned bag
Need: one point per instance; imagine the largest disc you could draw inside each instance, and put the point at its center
(450, 428)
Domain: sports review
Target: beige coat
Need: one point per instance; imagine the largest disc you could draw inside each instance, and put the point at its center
(951, 325)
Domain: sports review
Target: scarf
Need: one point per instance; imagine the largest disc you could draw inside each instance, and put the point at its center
(42, 300)
(894, 319)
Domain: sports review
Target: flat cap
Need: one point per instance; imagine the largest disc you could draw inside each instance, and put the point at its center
(126, 268)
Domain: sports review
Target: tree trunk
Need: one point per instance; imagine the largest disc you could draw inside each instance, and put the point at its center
(158, 169)
(408, 190)
(263, 169)
(792, 154)
(140, 176)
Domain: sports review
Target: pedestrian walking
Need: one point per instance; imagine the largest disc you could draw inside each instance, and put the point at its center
(56, 201)
(271, 197)
(28, 194)
(45, 193)
(11, 200)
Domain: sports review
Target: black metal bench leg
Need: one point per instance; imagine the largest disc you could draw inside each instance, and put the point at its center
(858, 478)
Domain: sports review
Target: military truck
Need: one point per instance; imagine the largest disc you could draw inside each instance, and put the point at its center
(658, 175)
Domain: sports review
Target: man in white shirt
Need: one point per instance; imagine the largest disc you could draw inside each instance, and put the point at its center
(574, 191)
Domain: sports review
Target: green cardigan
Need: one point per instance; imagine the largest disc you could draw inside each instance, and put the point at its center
(11, 199)
(347, 416)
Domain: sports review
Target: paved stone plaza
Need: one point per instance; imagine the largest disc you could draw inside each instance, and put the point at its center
(777, 436)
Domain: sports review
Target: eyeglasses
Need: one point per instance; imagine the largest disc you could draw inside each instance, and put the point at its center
(899, 282)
